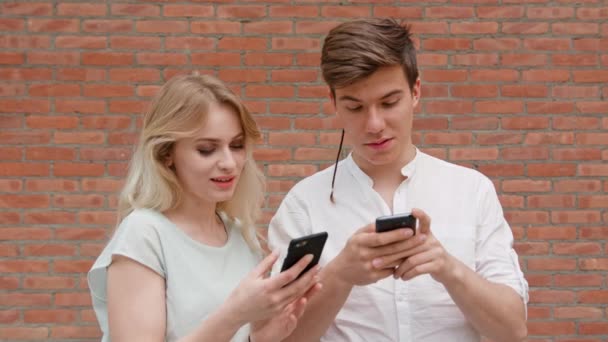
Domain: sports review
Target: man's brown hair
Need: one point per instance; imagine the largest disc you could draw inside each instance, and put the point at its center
(354, 50)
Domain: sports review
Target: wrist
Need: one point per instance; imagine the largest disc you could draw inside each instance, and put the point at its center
(231, 317)
(453, 274)
(335, 273)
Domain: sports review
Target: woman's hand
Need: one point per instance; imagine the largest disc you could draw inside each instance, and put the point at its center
(279, 327)
(259, 298)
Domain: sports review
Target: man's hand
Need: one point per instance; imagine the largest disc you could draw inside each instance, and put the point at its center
(355, 263)
(427, 257)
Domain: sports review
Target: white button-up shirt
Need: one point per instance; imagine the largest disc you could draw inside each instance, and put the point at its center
(466, 217)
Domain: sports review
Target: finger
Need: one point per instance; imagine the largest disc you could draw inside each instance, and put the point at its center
(266, 264)
(400, 246)
(300, 286)
(290, 274)
(299, 307)
(370, 228)
(382, 239)
(418, 270)
(412, 246)
(423, 219)
(414, 261)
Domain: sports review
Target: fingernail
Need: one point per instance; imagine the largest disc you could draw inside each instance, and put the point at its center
(377, 262)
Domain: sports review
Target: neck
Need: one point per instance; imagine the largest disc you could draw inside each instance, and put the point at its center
(196, 212)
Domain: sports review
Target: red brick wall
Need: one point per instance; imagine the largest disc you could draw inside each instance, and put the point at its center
(514, 88)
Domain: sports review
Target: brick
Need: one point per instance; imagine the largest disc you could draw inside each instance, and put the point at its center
(491, 75)
(25, 299)
(577, 154)
(49, 316)
(580, 248)
(75, 234)
(49, 250)
(474, 28)
(499, 12)
(97, 217)
(592, 170)
(80, 106)
(288, 139)
(262, 27)
(8, 316)
(295, 44)
(149, 58)
(293, 108)
(188, 11)
(574, 28)
(80, 42)
(119, 106)
(25, 42)
(135, 43)
(53, 25)
(518, 28)
(225, 11)
(54, 90)
(590, 44)
(551, 328)
(101, 185)
(548, 296)
(51, 185)
(215, 27)
(575, 216)
(26, 9)
(24, 169)
(593, 296)
(107, 58)
(107, 90)
(550, 13)
(575, 91)
(73, 299)
(531, 248)
(293, 170)
(24, 266)
(546, 75)
(189, 43)
(9, 24)
(553, 264)
(577, 60)
(449, 107)
(242, 43)
(429, 27)
(78, 169)
(11, 58)
(81, 9)
(555, 107)
(84, 74)
(447, 12)
(267, 154)
(78, 201)
(135, 10)
(161, 26)
(10, 185)
(52, 217)
(53, 58)
(50, 153)
(549, 138)
(493, 44)
(24, 333)
(216, 59)
(345, 11)
(578, 280)
(78, 137)
(501, 170)
(82, 332)
(268, 91)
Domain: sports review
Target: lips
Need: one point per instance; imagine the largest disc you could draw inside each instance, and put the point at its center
(379, 142)
(223, 179)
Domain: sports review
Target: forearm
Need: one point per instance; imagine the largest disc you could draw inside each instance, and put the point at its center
(219, 326)
(495, 310)
(322, 309)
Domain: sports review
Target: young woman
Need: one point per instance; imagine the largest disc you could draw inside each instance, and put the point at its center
(184, 262)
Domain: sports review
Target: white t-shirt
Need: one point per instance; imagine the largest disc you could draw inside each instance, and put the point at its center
(466, 217)
(198, 277)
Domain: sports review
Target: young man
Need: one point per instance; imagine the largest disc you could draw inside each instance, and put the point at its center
(458, 277)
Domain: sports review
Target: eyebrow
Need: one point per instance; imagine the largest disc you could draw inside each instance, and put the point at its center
(240, 135)
(389, 94)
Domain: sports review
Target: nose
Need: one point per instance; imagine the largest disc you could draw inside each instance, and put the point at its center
(375, 121)
(227, 161)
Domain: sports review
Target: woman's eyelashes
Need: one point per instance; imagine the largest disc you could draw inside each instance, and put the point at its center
(209, 150)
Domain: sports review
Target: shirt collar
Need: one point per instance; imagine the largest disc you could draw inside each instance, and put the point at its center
(407, 171)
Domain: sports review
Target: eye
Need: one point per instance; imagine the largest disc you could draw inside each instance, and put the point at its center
(389, 104)
(239, 146)
(205, 151)
(354, 109)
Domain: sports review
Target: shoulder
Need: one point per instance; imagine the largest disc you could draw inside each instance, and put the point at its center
(444, 170)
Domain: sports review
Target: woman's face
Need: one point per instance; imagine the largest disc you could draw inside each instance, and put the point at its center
(208, 165)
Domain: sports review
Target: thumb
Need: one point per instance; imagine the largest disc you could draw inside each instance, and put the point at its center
(424, 221)
(264, 267)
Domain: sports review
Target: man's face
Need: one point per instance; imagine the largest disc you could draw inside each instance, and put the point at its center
(376, 114)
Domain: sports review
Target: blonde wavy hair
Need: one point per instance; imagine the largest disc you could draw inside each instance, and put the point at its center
(176, 112)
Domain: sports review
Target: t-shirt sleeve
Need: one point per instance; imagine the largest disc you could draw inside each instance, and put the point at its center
(290, 221)
(496, 260)
(137, 238)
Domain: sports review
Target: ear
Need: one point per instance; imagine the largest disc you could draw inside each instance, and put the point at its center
(416, 93)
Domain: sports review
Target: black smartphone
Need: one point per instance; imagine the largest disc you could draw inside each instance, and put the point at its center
(298, 248)
(392, 222)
